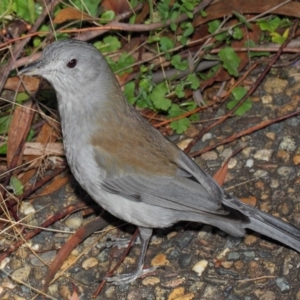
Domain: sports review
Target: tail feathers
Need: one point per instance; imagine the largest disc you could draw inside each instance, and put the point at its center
(268, 225)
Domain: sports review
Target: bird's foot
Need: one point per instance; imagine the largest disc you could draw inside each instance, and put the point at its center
(130, 277)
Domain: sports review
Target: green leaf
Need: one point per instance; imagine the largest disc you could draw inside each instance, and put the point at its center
(178, 63)
(4, 124)
(129, 92)
(213, 27)
(175, 111)
(237, 33)
(238, 93)
(110, 43)
(23, 96)
(16, 185)
(125, 60)
(194, 117)
(181, 125)
(24, 9)
(107, 16)
(179, 90)
(30, 135)
(6, 7)
(91, 6)
(269, 25)
(230, 60)
(3, 149)
(158, 97)
(166, 44)
(194, 81)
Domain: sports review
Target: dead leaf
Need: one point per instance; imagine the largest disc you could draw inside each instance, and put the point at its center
(69, 14)
(17, 133)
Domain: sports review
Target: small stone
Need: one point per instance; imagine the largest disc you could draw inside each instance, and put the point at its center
(260, 174)
(206, 137)
(282, 284)
(173, 282)
(233, 256)
(160, 260)
(43, 258)
(111, 292)
(185, 260)
(249, 163)
(89, 263)
(210, 155)
(226, 153)
(232, 163)
(267, 99)
(176, 293)
(283, 155)
(227, 264)
(274, 183)
(285, 171)
(255, 270)
(271, 135)
(27, 208)
(73, 222)
(275, 85)
(296, 160)
(288, 144)
(250, 240)
(65, 292)
(21, 274)
(151, 280)
(268, 295)
(183, 144)
(200, 266)
(263, 154)
(238, 265)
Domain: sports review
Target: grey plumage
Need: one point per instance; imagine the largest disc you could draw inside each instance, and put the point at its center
(127, 166)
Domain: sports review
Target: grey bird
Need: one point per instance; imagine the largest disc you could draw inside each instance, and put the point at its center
(127, 166)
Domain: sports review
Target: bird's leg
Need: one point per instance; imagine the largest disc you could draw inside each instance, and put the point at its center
(145, 235)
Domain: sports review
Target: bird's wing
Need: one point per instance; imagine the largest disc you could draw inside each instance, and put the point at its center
(159, 181)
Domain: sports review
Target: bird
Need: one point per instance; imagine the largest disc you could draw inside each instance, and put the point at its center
(127, 166)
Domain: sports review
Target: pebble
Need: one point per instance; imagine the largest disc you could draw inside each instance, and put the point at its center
(268, 295)
(232, 163)
(200, 266)
(21, 274)
(73, 222)
(26, 208)
(174, 282)
(160, 260)
(283, 156)
(207, 136)
(151, 280)
(185, 260)
(260, 174)
(288, 144)
(210, 155)
(249, 163)
(267, 99)
(282, 284)
(43, 258)
(176, 293)
(263, 154)
(183, 144)
(89, 263)
(275, 85)
(286, 171)
(296, 160)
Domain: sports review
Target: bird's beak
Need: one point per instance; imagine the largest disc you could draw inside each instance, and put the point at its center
(35, 68)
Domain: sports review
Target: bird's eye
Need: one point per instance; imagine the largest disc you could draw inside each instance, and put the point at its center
(72, 63)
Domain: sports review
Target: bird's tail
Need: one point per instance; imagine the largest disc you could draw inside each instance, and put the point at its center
(266, 224)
